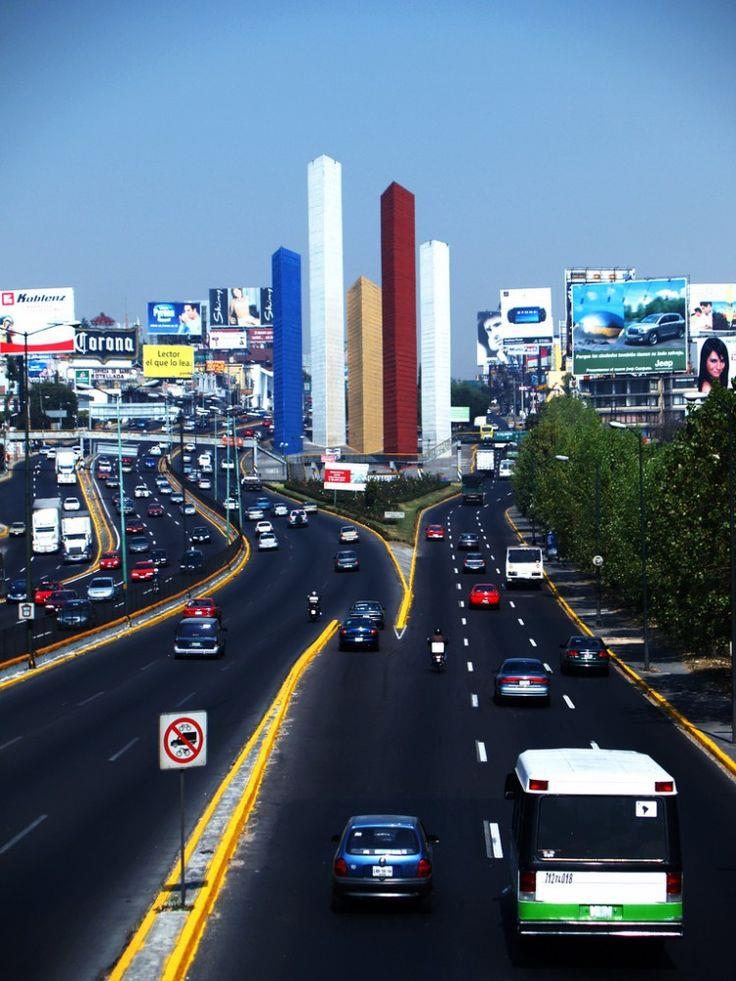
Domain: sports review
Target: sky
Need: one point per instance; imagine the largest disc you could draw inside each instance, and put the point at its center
(153, 150)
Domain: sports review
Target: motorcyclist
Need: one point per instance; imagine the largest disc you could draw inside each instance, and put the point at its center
(313, 601)
(437, 637)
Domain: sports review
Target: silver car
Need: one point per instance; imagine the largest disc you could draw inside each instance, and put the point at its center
(102, 589)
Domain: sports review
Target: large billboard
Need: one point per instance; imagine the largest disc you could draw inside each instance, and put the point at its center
(714, 361)
(169, 318)
(227, 339)
(526, 313)
(105, 343)
(172, 361)
(712, 308)
(589, 274)
(29, 312)
(345, 476)
(489, 338)
(629, 327)
(241, 306)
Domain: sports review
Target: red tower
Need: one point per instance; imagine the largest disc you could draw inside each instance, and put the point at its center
(399, 289)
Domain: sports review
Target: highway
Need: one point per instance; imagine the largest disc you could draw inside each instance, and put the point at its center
(381, 733)
(89, 826)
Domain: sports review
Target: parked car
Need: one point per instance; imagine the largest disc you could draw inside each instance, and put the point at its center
(522, 677)
(581, 653)
(655, 327)
(347, 561)
(101, 589)
(358, 632)
(199, 637)
(17, 529)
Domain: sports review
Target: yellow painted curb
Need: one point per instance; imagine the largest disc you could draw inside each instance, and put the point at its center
(186, 945)
(635, 678)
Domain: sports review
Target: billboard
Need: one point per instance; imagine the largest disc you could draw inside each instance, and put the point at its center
(260, 338)
(228, 339)
(241, 306)
(215, 367)
(629, 327)
(489, 341)
(30, 311)
(712, 308)
(174, 318)
(526, 313)
(346, 476)
(459, 413)
(714, 361)
(174, 361)
(105, 343)
(41, 369)
(588, 274)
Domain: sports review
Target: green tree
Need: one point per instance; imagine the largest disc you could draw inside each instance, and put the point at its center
(52, 395)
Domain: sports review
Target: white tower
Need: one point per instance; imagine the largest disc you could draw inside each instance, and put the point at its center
(326, 301)
(434, 319)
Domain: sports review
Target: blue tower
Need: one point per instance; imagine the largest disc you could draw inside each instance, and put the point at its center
(286, 278)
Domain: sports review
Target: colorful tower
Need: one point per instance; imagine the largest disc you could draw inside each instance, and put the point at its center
(399, 321)
(286, 277)
(365, 367)
(434, 320)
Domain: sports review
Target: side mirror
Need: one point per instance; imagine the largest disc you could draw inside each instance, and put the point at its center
(433, 839)
(335, 839)
(510, 787)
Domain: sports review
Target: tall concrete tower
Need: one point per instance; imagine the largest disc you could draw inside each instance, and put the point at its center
(398, 271)
(326, 304)
(434, 319)
(365, 367)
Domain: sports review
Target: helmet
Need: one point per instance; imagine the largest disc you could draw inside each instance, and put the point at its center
(438, 631)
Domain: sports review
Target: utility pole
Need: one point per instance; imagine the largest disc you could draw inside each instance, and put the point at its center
(121, 492)
(183, 487)
(29, 509)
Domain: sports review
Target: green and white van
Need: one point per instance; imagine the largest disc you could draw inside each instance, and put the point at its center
(595, 844)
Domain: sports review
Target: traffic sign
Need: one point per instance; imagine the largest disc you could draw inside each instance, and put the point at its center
(26, 611)
(182, 740)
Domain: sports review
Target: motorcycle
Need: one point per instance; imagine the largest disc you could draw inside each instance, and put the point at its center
(437, 655)
(314, 613)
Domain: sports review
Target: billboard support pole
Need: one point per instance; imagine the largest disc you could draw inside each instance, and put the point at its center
(29, 517)
(121, 492)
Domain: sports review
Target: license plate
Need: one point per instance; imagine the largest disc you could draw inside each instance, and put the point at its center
(383, 871)
(524, 683)
(601, 912)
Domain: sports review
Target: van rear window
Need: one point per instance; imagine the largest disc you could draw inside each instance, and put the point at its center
(598, 828)
(524, 555)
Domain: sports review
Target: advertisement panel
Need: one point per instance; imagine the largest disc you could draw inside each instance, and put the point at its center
(228, 339)
(41, 369)
(346, 476)
(215, 367)
(104, 344)
(260, 338)
(459, 413)
(241, 306)
(489, 339)
(589, 274)
(174, 361)
(27, 311)
(712, 308)
(714, 361)
(629, 327)
(174, 318)
(526, 313)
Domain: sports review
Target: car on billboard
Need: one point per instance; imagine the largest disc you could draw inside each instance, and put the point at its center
(654, 328)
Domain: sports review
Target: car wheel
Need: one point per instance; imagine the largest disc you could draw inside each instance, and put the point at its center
(681, 330)
(653, 338)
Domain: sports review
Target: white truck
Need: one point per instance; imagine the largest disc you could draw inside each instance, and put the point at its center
(46, 521)
(66, 466)
(76, 537)
(485, 459)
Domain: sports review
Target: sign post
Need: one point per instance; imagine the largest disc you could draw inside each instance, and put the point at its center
(182, 743)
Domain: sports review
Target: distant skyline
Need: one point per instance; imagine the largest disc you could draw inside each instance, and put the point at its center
(153, 151)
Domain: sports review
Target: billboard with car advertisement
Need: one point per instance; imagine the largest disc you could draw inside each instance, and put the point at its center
(712, 308)
(629, 327)
(526, 313)
(346, 476)
(227, 339)
(29, 312)
(241, 306)
(713, 361)
(169, 318)
(172, 361)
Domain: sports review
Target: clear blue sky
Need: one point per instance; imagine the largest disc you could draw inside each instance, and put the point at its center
(152, 150)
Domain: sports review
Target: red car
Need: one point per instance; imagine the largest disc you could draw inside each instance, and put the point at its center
(143, 571)
(134, 526)
(484, 594)
(110, 560)
(202, 606)
(44, 589)
(435, 533)
(58, 598)
(156, 510)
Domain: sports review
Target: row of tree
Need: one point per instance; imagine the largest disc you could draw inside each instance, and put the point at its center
(592, 502)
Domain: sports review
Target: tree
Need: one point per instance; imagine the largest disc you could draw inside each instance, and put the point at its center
(471, 393)
(51, 395)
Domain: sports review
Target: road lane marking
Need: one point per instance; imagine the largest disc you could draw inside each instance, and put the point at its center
(126, 747)
(480, 750)
(462, 604)
(493, 556)
(470, 665)
(521, 622)
(498, 571)
(593, 745)
(458, 585)
(21, 834)
(492, 835)
(231, 664)
(455, 570)
(533, 642)
(465, 641)
(185, 699)
(90, 699)
(568, 701)
(463, 621)
(547, 667)
(512, 604)
(10, 742)
(473, 702)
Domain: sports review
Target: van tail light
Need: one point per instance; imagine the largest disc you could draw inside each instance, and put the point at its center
(538, 784)
(424, 869)
(528, 885)
(340, 867)
(674, 885)
(664, 787)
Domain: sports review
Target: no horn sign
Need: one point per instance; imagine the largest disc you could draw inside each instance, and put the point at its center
(182, 740)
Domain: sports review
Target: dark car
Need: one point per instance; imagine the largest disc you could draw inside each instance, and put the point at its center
(58, 598)
(368, 608)
(347, 561)
(199, 637)
(655, 327)
(177, 497)
(156, 510)
(112, 483)
(138, 544)
(357, 632)
(468, 542)
(74, 614)
(522, 677)
(149, 463)
(16, 591)
(382, 856)
(584, 654)
(159, 557)
(474, 562)
(134, 526)
(192, 560)
(200, 534)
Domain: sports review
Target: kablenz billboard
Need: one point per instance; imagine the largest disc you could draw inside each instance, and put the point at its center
(629, 327)
(89, 342)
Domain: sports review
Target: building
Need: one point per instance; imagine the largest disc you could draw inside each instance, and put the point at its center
(326, 302)
(651, 400)
(365, 367)
(434, 316)
(286, 276)
(399, 304)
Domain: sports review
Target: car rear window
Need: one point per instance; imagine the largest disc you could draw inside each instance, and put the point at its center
(101, 582)
(196, 628)
(383, 841)
(524, 555)
(587, 643)
(523, 666)
(597, 828)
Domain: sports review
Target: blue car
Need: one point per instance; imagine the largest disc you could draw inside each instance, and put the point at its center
(149, 462)
(358, 632)
(383, 856)
(263, 503)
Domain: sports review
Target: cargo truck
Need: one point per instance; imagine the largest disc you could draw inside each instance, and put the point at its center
(485, 459)
(46, 523)
(76, 536)
(472, 488)
(66, 466)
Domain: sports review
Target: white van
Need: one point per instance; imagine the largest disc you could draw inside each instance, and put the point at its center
(524, 564)
(505, 469)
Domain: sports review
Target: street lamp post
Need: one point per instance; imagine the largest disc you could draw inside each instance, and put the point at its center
(533, 495)
(598, 558)
(121, 493)
(29, 517)
(183, 486)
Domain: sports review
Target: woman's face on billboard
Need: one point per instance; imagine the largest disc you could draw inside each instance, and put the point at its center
(714, 365)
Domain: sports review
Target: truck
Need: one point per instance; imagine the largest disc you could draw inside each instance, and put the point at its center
(46, 524)
(76, 536)
(485, 459)
(472, 488)
(66, 466)
(251, 481)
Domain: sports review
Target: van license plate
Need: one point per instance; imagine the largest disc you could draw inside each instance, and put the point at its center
(383, 871)
(601, 912)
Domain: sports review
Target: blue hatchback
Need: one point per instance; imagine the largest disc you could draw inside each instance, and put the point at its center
(149, 462)
(359, 631)
(383, 856)
(263, 503)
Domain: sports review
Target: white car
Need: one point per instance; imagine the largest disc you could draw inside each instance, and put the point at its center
(349, 533)
(164, 488)
(189, 426)
(71, 504)
(141, 491)
(230, 504)
(154, 450)
(227, 464)
(309, 507)
(187, 508)
(17, 528)
(280, 510)
(263, 528)
(205, 483)
(190, 447)
(267, 541)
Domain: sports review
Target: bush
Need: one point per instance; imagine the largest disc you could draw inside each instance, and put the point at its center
(379, 495)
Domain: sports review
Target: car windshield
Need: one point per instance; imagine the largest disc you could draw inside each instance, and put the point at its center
(600, 827)
(17, 584)
(524, 555)
(652, 318)
(196, 628)
(382, 841)
(356, 623)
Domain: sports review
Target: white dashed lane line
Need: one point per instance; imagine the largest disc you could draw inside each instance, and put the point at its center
(594, 745)
(512, 604)
(498, 571)
(10, 742)
(91, 698)
(126, 747)
(473, 702)
(458, 585)
(463, 621)
(492, 836)
(455, 570)
(470, 666)
(21, 834)
(521, 622)
(462, 604)
(547, 668)
(480, 751)
(533, 642)
(568, 701)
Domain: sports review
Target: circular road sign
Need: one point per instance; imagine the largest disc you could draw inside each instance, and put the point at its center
(183, 741)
